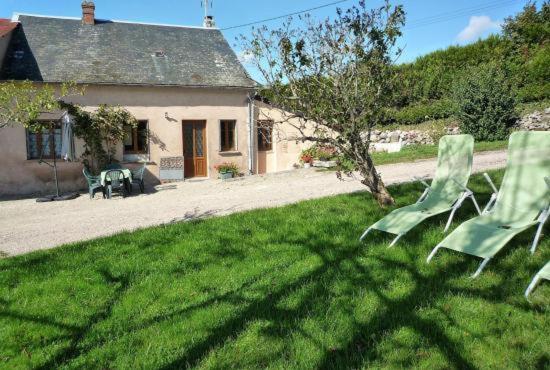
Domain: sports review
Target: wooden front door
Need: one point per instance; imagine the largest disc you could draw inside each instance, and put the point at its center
(194, 148)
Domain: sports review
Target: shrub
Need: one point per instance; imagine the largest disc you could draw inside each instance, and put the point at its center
(321, 152)
(227, 167)
(533, 92)
(420, 112)
(485, 104)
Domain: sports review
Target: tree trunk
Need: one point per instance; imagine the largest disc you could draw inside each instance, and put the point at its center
(374, 182)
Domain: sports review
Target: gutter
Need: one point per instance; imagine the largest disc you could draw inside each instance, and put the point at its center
(251, 109)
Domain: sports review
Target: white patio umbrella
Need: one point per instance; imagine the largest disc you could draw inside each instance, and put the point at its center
(67, 138)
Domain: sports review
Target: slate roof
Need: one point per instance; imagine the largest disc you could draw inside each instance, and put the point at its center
(112, 52)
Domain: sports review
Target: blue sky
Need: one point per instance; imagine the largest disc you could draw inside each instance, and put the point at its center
(431, 24)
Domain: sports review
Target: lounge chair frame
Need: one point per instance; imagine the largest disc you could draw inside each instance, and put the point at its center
(536, 279)
(541, 220)
(467, 194)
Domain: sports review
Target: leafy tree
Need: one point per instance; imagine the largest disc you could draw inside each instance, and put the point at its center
(332, 79)
(529, 27)
(101, 131)
(485, 103)
(22, 102)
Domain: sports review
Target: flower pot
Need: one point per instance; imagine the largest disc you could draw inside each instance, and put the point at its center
(226, 175)
(325, 164)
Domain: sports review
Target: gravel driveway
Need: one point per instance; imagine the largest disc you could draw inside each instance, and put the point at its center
(26, 226)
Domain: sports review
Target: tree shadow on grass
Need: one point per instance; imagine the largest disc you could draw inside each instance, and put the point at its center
(359, 266)
(366, 335)
(121, 284)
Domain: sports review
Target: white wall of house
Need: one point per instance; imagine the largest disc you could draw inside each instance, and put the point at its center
(163, 107)
(286, 146)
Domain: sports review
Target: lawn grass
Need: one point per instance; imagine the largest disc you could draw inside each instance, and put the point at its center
(416, 152)
(286, 288)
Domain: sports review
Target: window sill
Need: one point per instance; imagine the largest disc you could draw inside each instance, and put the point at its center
(135, 158)
(230, 153)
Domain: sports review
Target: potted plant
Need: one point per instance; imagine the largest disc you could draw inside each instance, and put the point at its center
(306, 157)
(227, 170)
(306, 160)
(326, 156)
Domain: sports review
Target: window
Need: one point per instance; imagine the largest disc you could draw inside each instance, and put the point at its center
(44, 144)
(136, 138)
(227, 135)
(265, 135)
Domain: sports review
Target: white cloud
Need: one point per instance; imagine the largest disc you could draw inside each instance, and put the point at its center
(478, 26)
(245, 57)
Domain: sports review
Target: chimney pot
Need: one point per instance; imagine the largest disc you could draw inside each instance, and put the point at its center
(209, 22)
(88, 12)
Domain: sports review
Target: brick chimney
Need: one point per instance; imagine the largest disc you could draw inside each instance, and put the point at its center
(88, 12)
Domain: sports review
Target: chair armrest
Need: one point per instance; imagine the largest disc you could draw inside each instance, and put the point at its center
(422, 181)
(491, 184)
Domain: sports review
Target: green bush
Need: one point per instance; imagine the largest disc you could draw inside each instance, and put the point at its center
(420, 112)
(486, 107)
(534, 92)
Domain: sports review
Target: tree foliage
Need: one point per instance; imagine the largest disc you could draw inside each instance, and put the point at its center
(332, 79)
(101, 131)
(22, 102)
(523, 50)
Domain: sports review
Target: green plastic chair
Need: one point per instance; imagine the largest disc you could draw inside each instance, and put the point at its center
(522, 202)
(94, 184)
(137, 178)
(446, 193)
(544, 273)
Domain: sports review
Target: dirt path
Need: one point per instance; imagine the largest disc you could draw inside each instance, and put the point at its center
(26, 226)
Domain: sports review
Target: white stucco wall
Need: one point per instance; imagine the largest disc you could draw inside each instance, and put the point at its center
(163, 107)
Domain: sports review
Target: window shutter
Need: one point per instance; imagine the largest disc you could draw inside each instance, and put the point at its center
(236, 136)
(220, 124)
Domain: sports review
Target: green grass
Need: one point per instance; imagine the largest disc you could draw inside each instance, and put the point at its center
(416, 152)
(282, 288)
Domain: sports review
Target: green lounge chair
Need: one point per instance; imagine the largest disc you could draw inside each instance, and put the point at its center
(446, 193)
(522, 202)
(544, 273)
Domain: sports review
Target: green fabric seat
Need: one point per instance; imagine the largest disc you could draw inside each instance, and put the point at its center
(522, 202)
(544, 273)
(446, 192)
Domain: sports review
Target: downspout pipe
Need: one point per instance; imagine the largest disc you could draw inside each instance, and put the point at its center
(251, 109)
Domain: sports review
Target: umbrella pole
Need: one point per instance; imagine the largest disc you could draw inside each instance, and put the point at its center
(55, 174)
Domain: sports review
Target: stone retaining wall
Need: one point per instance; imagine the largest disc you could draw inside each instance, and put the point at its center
(536, 121)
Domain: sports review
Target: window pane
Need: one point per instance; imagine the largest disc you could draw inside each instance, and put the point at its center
(230, 135)
(46, 144)
(57, 141)
(142, 136)
(223, 131)
(198, 141)
(227, 134)
(32, 140)
(188, 136)
(128, 138)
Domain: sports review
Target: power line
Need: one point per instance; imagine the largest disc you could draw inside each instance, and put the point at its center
(443, 17)
(420, 22)
(285, 16)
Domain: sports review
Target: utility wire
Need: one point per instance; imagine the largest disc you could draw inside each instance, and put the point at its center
(285, 16)
(437, 18)
(457, 14)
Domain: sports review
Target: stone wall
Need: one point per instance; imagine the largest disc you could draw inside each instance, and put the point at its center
(536, 121)
(407, 137)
